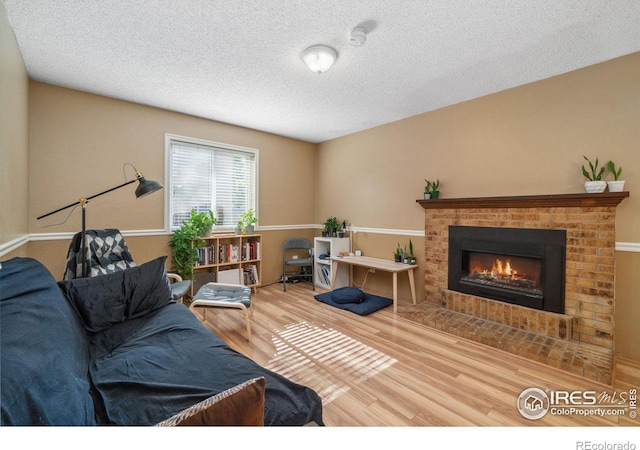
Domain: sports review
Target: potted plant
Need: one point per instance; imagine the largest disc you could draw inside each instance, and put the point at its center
(616, 185)
(411, 258)
(431, 189)
(343, 228)
(249, 220)
(594, 177)
(184, 242)
(331, 227)
(435, 189)
(397, 255)
(203, 222)
(427, 189)
(239, 227)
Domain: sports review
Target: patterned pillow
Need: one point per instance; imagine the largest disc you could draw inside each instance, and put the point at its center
(240, 405)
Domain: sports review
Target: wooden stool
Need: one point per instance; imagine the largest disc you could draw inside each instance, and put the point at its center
(219, 295)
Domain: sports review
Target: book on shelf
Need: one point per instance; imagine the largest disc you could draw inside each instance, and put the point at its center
(206, 255)
(250, 275)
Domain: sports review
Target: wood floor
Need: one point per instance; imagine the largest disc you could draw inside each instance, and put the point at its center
(383, 370)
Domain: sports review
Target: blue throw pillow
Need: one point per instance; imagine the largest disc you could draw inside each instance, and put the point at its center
(105, 300)
(347, 295)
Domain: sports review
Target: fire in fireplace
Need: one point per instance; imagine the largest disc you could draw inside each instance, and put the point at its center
(512, 272)
(520, 266)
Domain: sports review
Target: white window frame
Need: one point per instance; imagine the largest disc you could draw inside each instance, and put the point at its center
(168, 188)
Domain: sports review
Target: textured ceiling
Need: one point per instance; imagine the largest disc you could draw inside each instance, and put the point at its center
(238, 61)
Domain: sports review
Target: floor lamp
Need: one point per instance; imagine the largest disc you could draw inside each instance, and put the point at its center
(145, 187)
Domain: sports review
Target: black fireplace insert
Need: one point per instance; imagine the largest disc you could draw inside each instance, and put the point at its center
(515, 265)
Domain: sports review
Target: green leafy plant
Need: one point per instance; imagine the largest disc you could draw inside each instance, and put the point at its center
(410, 248)
(331, 224)
(594, 173)
(612, 168)
(184, 242)
(248, 217)
(431, 186)
(202, 222)
(399, 250)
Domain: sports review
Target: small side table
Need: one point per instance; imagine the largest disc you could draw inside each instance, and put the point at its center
(219, 295)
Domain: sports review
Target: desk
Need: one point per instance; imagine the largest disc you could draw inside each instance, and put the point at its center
(378, 264)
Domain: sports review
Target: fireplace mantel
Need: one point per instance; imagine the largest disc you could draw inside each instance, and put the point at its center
(528, 201)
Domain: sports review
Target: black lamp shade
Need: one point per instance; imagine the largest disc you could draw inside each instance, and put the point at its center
(147, 187)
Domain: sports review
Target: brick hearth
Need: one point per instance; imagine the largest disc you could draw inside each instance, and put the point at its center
(581, 340)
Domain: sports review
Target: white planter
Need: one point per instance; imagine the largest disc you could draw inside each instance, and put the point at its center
(594, 187)
(615, 186)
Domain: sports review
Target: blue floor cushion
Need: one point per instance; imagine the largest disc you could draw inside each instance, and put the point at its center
(370, 304)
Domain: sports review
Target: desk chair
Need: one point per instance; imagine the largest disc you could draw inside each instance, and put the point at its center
(297, 247)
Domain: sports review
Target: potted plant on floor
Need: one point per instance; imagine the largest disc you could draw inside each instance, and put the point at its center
(616, 185)
(594, 183)
(184, 242)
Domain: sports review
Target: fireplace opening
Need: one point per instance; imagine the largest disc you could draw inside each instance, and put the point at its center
(514, 265)
(504, 271)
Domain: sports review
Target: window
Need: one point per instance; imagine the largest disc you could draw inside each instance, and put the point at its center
(203, 176)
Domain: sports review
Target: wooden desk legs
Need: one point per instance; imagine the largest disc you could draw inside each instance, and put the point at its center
(412, 283)
(395, 292)
(334, 271)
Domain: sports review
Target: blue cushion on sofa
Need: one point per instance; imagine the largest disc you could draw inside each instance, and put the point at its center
(109, 299)
(347, 294)
(44, 351)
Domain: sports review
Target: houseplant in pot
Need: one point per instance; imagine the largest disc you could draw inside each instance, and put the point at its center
(184, 242)
(427, 189)
(249, 220)
(616, 185)
(331, 227)
(594, 183)
(397, 255)
(431, 189)
(410, 258)
(435, 189)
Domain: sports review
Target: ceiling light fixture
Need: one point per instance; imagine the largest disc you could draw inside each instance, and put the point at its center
(319, 58)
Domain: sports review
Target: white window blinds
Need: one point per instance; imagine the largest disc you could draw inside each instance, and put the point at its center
(207, 176)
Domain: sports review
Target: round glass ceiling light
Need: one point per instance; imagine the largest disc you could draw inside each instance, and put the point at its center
(319, 58)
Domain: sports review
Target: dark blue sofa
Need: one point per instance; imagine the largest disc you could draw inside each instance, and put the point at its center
(116, 350)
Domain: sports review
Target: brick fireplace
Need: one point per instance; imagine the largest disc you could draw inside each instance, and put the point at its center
(579, 339)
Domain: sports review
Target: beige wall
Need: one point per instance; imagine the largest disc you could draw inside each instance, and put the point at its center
(79, 143)
(14, 155)
(527, 140)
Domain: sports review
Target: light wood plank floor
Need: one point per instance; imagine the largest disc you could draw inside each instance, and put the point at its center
(383, 370)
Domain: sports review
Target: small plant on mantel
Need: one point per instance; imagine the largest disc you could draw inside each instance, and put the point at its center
(616, 185)
(431, 189)
(594, 183)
